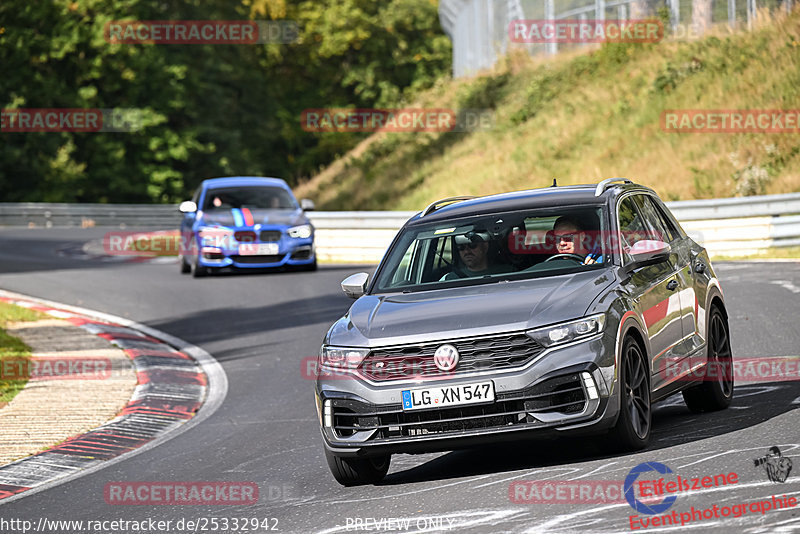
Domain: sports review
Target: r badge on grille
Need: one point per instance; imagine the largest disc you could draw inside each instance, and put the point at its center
(446, 357)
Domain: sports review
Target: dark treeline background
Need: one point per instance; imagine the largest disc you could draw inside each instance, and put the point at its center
(207, 110)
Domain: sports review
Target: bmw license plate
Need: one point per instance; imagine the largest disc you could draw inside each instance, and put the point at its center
(258, 249)
(416, 399)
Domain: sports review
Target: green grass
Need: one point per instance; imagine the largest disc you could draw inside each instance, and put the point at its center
(12, 349)
(588, 115)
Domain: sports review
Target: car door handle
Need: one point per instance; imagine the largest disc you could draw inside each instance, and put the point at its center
(672, 284)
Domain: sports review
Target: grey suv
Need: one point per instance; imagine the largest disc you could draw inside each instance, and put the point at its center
(563, 310)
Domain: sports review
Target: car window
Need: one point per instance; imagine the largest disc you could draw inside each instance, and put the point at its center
(653, 219)
(486, 249)
(402, 275)
(666, 218)
(632, 226)
(254, 197)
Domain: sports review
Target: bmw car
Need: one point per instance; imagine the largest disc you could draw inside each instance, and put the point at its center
(245, 223)
(550, 312)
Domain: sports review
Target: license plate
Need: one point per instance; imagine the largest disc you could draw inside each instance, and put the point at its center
(416, 399)
(258, 249)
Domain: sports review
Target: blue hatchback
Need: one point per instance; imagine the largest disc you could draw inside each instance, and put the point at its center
(245, 222)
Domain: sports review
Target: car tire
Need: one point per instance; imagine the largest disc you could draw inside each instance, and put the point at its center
(199, 271)
(358, 471)
(186, 267)
(311, 266)
(716, 391)
(632, 430)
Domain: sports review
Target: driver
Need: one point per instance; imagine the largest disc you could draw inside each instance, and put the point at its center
(570, 238)
(473, 249)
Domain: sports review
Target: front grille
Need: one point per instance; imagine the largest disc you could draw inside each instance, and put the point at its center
(563, 395)
(272, 258)
(476, 354)
(269, 236)
(245, 236)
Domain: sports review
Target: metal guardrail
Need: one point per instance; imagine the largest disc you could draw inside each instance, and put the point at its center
(729, 226)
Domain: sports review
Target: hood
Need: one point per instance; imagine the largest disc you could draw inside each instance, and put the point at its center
(248, 217)
(490, 308)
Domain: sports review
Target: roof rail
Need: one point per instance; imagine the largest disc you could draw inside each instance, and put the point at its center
(433, 206)
(608, 182)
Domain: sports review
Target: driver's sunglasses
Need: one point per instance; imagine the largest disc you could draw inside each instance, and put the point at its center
(566, 237)
(471, 246)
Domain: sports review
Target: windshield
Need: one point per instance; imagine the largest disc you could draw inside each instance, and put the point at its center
(255, 197)
(502, 246)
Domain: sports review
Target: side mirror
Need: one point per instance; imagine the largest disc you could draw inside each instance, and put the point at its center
(355, 285)
(187, 206)
(648, 252)
(307, 204)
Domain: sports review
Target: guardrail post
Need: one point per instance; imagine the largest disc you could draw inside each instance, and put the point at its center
(751, 13)
(550, 16)
(600, 9)
(674, 13)
(732, 14)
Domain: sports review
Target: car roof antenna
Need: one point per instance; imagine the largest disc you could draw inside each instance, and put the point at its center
(555, 184)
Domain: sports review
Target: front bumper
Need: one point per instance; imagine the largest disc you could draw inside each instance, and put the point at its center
(554, 395)
(291, 252)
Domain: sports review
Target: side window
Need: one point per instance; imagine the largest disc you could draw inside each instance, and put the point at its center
(402, 274)
(653, 219)
(196, 196)
(443, 258)
(666, 219)
(631, 226)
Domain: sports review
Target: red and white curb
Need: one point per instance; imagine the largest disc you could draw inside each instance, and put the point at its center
(179, 385)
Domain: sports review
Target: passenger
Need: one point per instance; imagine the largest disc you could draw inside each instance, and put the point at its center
(570, 238)
(473, 249)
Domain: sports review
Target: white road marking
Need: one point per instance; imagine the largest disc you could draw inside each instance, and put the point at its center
(787, 285)
(529, 473)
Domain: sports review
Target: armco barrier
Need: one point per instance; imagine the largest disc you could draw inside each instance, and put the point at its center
(728, 226)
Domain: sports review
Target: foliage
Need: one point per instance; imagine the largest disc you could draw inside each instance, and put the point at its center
(205, 110)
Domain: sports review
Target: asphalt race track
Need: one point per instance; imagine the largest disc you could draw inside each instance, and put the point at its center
(261, 326)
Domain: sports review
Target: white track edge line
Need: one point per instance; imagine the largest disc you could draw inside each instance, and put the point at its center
(216, 390)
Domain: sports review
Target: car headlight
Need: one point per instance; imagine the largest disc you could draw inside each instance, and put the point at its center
(301, 232)
(571, 331)
(342, 357)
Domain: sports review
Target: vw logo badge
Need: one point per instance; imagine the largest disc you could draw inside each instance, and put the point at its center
(446, 357)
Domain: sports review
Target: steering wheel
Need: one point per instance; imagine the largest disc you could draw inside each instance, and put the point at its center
(564, 256)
